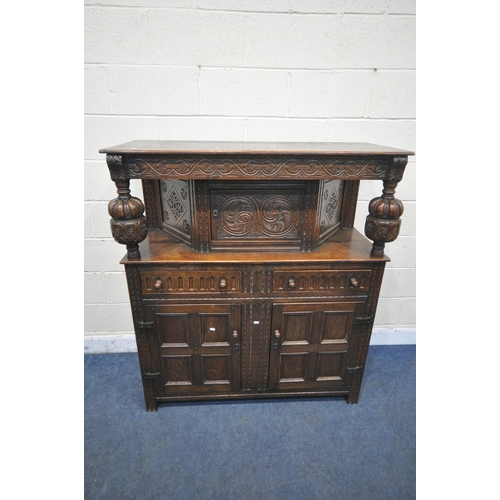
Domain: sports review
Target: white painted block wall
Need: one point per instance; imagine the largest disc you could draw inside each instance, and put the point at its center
(252, 70)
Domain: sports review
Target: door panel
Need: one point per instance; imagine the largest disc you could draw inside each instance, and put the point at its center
(310, 344)
(199, 347)
(177, 370)
(297, 327)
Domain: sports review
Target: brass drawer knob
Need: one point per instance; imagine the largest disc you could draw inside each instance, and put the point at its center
(277, 334)
(223, 283)
(354, 283)
(291, 283)
(235, 334)
(158, 284)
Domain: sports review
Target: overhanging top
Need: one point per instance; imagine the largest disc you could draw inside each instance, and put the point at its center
(253, 148)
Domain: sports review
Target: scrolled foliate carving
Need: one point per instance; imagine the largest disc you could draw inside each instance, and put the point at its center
(116, 169)
(251, 167)
(397, 168)
(278, 217)
(238, 217)
(258, 216)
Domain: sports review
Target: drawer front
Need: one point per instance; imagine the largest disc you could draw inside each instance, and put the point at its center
(158, 282)
(346, 281)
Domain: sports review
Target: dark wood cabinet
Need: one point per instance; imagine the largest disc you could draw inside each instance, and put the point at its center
(245, 274)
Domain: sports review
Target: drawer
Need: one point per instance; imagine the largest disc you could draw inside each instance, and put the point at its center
(346, 281)
(157, 282)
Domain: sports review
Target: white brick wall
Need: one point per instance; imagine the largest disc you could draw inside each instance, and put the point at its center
(282, 70)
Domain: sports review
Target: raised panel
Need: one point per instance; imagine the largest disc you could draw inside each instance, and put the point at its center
(173, 329)
(329, 366)
(293, 367)
(336, 326)
(297, 327)
(177, 370)
(216, 368)
(214, 329)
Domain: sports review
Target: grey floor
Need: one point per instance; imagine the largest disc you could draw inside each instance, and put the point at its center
(288, 449)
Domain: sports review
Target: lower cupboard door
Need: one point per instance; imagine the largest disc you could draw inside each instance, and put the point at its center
(310, 345)
(198, 348)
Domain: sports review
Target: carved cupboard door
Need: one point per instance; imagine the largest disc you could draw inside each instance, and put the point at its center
(310, 344)
(198, 348)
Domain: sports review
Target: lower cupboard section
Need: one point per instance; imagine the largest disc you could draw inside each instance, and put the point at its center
(235, 349)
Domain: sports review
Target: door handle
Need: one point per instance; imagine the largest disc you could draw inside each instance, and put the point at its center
(277, 336)
(236, 345)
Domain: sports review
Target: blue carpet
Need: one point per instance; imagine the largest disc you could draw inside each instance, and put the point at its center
(289, 449)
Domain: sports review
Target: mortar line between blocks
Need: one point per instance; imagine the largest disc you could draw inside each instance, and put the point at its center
(252, 68)
(251, 117)
(294, 12)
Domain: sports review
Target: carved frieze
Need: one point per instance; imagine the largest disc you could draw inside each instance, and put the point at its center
(251, 167)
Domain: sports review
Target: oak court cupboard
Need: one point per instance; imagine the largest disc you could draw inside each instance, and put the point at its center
(246, 276)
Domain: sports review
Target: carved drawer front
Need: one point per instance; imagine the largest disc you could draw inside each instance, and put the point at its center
(157, 282)
(346, 281)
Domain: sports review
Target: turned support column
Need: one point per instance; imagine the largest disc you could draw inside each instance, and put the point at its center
(383, 223)
(128, 224)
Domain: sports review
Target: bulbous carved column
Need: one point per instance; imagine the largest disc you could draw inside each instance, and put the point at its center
(383, 224)
(128, 224)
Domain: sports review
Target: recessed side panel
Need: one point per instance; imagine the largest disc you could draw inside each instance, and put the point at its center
(331, 206)
(176, 208)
